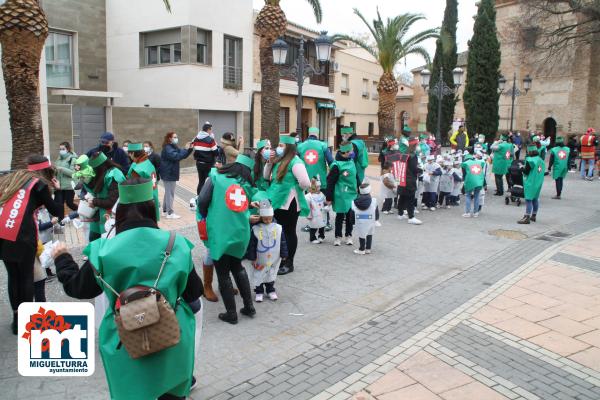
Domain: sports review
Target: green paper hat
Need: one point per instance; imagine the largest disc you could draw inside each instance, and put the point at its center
(82, 161)
(346, 148)
(467, 157)
(139, 193)
(423, 136)
(503, 137)
(287, 139)
(535, 139)
(532, 148)
(262, 143)
(245, 160)
(347, 130)
(96, 162)
(135, 147)
(313, 130)
(560, 139)
(407, 128)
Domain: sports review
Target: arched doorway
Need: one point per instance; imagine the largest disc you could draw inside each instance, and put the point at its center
(550, 129)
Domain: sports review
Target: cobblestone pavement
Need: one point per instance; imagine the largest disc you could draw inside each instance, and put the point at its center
(344, 323)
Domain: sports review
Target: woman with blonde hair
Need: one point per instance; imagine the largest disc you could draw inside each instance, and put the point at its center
(21, 194)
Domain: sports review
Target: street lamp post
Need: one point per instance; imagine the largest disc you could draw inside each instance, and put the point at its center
(514, 92)
(439, 90)
(301, 69)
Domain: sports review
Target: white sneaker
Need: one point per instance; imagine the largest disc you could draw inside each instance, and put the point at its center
(359, 252)
(386, 212)
(349, 241)
(467, 215)
(423, 206)
(337, 242)
(173, 216)
(321, 240)
(377, 223)
(447, 207)
(403, 216)
(417, 211)
(414, 221)
(432, 209)
(316, 241)
(476, 215)
(273, 296)
(367, 251)
(163, 213)
(258, 298)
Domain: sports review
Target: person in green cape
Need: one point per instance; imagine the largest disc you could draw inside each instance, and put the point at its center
(360, 155)
(143, 167)
(533, 171)
(103, 191)
(223, 206)
(264, 154)
(503, 154)
(474, 180)
(133, 257)
(342, 189)
(559, 159)
(289, 179)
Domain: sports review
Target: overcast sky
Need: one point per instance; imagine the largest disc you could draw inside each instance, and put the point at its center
(338, 17)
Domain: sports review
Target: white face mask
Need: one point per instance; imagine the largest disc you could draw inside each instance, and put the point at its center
(147, 149)
(175, 140)
(125, 148)
(62, 152)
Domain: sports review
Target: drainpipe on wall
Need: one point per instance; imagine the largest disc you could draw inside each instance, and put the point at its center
(251, 141)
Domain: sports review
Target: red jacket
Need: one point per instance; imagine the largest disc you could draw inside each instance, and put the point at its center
(588, 146)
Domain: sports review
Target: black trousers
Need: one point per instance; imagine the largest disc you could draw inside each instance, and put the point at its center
(407, 202)
(313, 233)
(20, 280)
(288, 219)
(365, 244)
(65, 196)
(202, 175)
(339, 223)
(268, 286)
(499, 183)
(559, 186)
(39, 291)
(444, 195)
(224, 266)
(387, 204)
(429, 199)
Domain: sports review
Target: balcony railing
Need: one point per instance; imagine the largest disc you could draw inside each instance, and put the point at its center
(232, 77)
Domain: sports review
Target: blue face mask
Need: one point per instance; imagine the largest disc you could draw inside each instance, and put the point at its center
(279, 151)
(266, 153)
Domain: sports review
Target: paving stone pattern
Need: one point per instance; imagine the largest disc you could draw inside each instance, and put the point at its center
(530, 373)
(308, 374)
(576, 261)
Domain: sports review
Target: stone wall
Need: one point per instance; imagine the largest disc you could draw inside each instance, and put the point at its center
(60, 123)
(139, 124)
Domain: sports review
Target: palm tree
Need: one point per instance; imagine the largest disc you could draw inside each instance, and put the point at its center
(270, 24)
(391, 46)
(23, 32)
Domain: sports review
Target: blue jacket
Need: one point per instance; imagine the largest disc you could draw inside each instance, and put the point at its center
(170, 157)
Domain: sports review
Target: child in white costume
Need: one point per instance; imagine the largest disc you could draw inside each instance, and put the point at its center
(266, 249)
(317, 219)
(457, 183)
(446, 184)
(366, 214)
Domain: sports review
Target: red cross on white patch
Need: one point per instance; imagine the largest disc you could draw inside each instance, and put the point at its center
(153, 176)
(507, 155)
(236, 199)
(562, 154)
(475, 169)
(345, 173)
(311, 157)
(539, 168)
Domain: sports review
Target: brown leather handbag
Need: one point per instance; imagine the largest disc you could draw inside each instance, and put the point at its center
(145, 320)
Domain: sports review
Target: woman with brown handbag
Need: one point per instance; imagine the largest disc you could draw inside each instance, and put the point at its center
(133, 257)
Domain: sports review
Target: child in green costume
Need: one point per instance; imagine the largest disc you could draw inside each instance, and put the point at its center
(559, 159)
(533, 171)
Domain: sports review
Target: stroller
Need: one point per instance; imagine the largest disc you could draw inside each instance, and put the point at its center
(515, 192)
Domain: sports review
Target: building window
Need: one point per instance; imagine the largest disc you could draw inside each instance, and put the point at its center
(375, 95)
(232, 63)
(529, 37)
(203, 46)
(162, 47)
(365, 88)
(353, 125)
(371, 128)
(59, 60)
(345, 86)
(284, 120)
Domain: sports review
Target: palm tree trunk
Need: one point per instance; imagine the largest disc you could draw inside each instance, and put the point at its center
(269, 100)
(23, 32)
(387, 89)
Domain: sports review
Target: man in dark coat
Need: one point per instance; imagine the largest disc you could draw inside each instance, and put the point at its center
(112, 151)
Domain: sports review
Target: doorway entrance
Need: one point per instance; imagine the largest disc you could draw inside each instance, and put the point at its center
(306, 118)
(550, 129)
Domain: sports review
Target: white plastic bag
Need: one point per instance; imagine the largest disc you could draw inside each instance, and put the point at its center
(39, 273)
(46, 259)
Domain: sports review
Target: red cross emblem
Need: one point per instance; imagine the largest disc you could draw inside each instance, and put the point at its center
(311, 157)
(562, 154)
(153, 176)
(507, 155)
(345, 173)
(539, 168)
(475, 169)
(236, 199)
